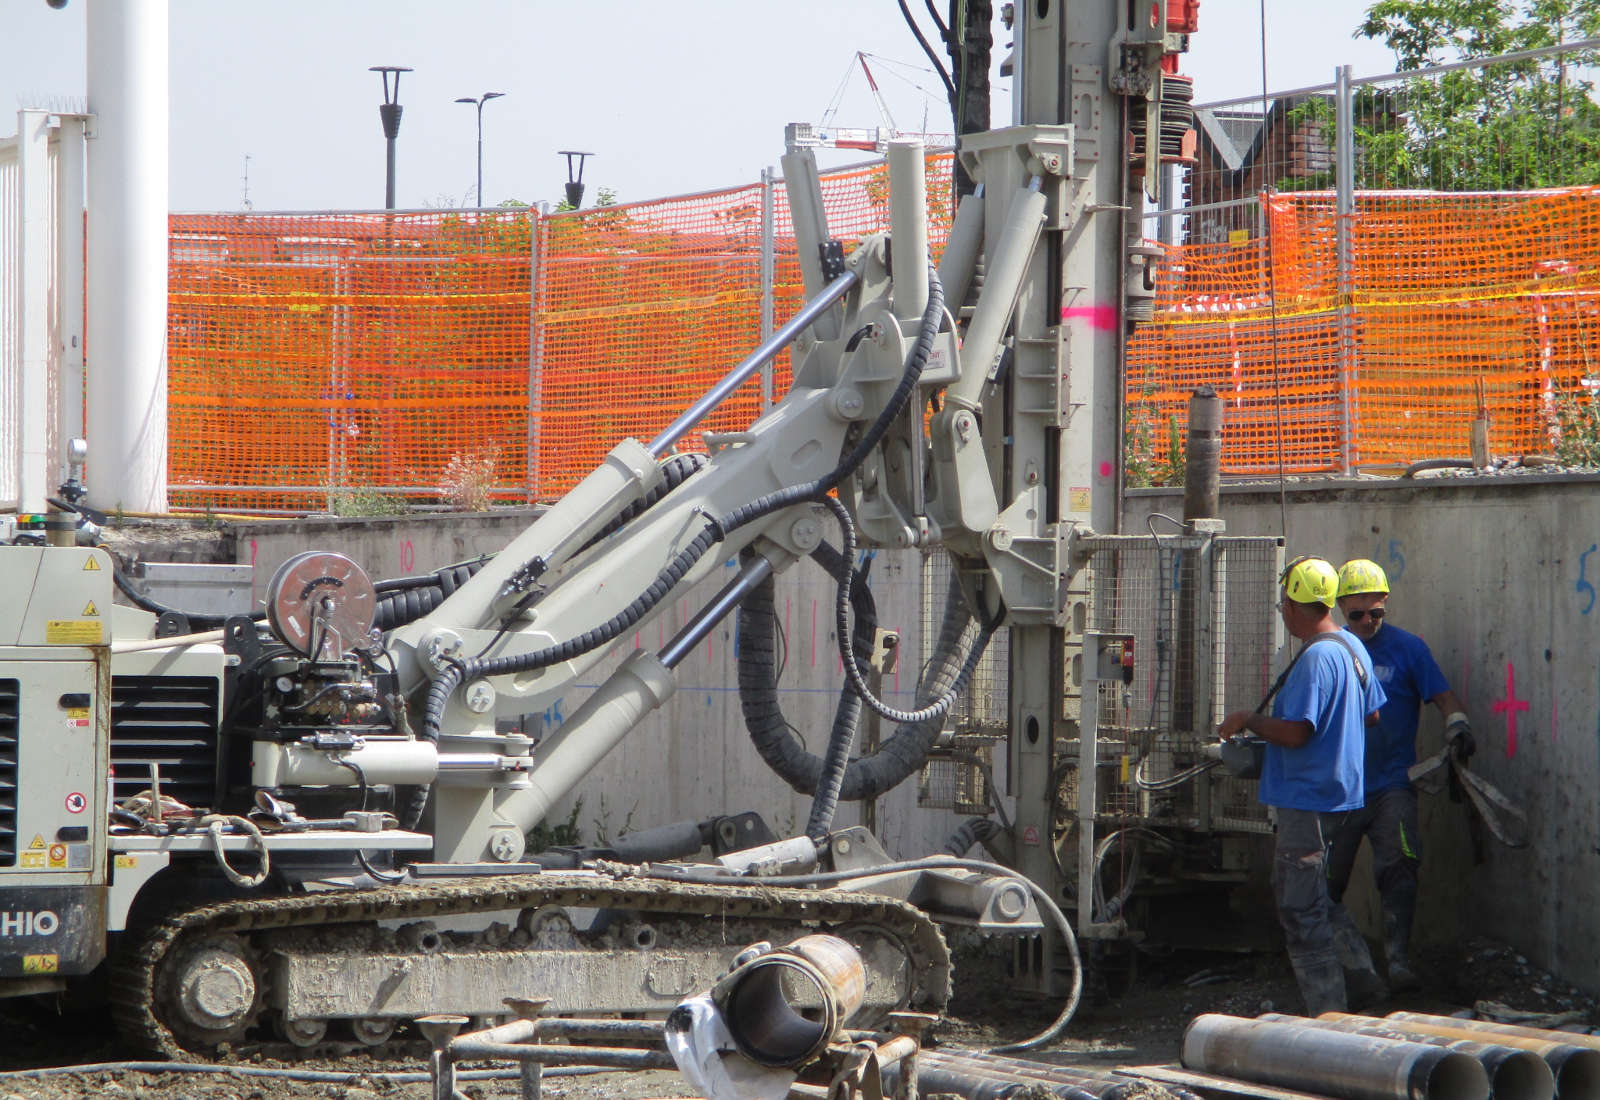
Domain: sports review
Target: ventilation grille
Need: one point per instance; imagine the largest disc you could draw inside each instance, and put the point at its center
(10, 711)
(171, 722)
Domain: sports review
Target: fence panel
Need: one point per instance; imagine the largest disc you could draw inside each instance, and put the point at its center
(315, 359)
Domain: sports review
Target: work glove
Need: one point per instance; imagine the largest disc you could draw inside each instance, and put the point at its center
(1458, 735)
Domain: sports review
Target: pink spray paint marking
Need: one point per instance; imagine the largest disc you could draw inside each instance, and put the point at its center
(1106, 469)
(1510, 706)
(1103, 318)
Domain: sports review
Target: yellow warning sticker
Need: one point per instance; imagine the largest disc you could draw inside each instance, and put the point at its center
(77, 712)
(38, 843)
(58, 855)
(40, 964)
(90, 611)
(73, 632)
(125, 862)
(91, 566)
(31, 861)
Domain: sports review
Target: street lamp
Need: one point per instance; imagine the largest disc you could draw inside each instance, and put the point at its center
(479, 102)
(389, 112)
(574, 180)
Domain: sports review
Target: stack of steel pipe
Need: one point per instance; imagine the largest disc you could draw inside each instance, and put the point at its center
(1331, 1063)
(1573, 1058)
(976, 1076)
(1514, 1074)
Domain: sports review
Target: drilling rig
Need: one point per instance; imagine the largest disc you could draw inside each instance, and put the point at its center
(356, 805)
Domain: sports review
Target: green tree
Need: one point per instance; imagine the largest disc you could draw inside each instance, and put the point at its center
(1512, 125)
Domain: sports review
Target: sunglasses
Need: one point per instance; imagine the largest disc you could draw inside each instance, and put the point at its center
(1356, 616)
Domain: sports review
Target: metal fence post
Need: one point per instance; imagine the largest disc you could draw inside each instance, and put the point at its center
(535, 357)
(769, 262)
(1344, 210)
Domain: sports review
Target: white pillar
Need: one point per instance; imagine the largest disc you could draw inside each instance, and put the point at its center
(69, 290)
(34, 261)
(127, 339)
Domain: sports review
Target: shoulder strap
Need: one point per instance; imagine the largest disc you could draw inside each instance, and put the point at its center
(1344, 639)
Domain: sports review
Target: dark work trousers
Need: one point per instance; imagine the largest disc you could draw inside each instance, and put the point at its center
(1389, 822)
(1322, 939)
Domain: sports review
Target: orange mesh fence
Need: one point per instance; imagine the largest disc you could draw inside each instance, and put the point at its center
(320, 357)
(450, 355)
(312, 356)
(1443, 292)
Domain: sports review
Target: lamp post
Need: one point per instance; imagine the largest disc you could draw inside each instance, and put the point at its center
(479, 102)
(389, 112)
(574, 180)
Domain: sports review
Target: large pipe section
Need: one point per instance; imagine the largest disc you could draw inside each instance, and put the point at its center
(127, 307)
(1316, 1060)
(784, 1007)
(1513, 1074)
(1202, 456)
(1575, 1059)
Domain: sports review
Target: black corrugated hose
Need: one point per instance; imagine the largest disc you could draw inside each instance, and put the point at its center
(847, 716)
(715, 531)
(902, 754)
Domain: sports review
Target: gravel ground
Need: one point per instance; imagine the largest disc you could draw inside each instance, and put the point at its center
(1143, 1024)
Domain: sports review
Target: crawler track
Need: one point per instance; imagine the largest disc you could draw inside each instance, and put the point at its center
(784, 912)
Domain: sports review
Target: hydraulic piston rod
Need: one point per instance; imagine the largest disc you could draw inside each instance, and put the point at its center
(737, 377)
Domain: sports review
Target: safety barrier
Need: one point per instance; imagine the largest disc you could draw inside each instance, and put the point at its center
(314, 358)
(1449, 296)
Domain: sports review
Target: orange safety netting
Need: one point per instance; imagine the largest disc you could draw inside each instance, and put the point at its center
(1443, 292)
(322, 355)
(312, 356)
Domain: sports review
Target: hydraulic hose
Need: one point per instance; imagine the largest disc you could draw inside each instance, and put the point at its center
(827, 878)
(934, 711)
(401, 602)
(847, 717)
(899, 757)
(714, 532)
(972, 831)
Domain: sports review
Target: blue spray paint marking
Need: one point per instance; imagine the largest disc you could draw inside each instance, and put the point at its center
(1397, 561)
(1583, 584)
(552, 716)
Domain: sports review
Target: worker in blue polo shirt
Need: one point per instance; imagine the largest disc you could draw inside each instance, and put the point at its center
(1312, 778)
(1388, 819)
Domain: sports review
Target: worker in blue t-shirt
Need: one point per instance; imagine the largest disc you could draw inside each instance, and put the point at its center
(1410, 676)
(1312, 777)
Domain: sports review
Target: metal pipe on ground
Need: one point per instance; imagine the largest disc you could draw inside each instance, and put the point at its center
(1330, 1063)
(1513, 1074)
(983, 1066)
(1574, 1059)
(974, 1083)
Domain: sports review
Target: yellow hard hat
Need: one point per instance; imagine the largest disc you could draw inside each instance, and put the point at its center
(1310, 580)
(1359, 576)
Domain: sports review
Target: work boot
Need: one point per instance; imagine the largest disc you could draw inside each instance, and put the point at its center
(1321, 986)
(1364, 988)
(1397, 913)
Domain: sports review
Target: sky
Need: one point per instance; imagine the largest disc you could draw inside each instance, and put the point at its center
(672, 98)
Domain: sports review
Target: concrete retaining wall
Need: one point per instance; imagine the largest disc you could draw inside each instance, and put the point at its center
(1499, 575)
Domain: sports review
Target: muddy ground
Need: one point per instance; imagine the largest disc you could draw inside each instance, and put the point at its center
(1126, 1018)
